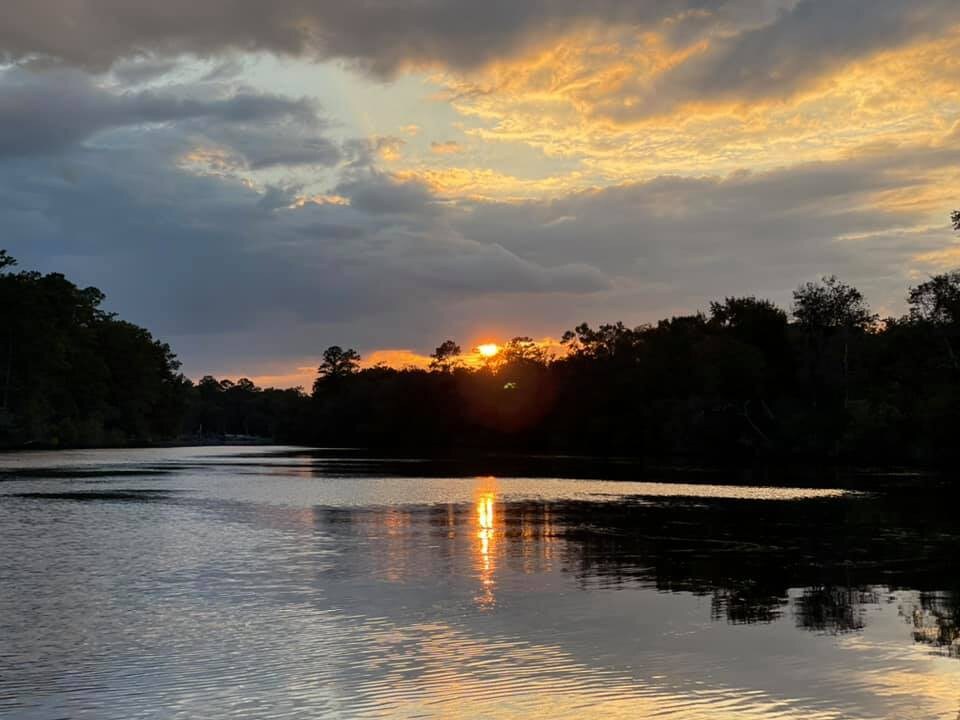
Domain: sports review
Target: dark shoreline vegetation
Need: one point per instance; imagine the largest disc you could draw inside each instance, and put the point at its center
(829, 381)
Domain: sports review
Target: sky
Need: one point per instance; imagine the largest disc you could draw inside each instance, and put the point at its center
(255, 181)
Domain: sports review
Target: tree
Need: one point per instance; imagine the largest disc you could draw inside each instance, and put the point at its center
(757, 322)
(444, 357)
(5, 262)
(606, 342)
(337, 363)
(955, 220)
(937, 302)
(73, 374)
(830, 305)
(748, 315)
(524, 349)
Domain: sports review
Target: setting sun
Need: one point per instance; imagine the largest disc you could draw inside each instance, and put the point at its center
(488, 350)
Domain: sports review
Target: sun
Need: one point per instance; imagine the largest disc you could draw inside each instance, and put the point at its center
(488, 350)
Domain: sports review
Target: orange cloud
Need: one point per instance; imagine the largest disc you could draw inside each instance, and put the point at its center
(302, 376)
(211, 161)
(938, 260)
(448, 147)
(395, 358)
(319, 199)
(572, 101)
(489, 184)
(389, 149)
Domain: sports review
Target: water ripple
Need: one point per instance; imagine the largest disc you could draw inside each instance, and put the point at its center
(249, 586)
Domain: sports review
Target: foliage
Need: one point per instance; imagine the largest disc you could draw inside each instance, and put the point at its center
(937, 300)
(338, 363)
(831, 305)
(72, 374)
(444, 358)
(741, 382)
(522, 350)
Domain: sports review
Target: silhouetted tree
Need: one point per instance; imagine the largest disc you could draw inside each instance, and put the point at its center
(830, 305)
(750, 319)
(825, 310)
(524, 349)
(938, 299)
(444, 357)
(73, 374)
(743, 381)
(606, 342)
(937, 302)
(5, 262)
(338, 363)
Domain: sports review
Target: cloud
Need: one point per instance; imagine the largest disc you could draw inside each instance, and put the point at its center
(383, 36)
(662, 54)
(219, 267)
(448, 147)
(813, 39)
(582, 104)
(397, 358)
(675, 242)
(203, 259)
(756, 44)
(142, 70)
(389, 148)
(285, 144)
(47, 112)
(237, 222)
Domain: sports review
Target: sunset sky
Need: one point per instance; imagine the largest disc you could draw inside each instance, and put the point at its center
(255, 181)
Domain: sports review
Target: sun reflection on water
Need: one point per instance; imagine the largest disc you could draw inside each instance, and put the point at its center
(486, 536)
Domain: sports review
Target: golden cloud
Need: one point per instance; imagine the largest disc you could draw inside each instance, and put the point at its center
(448, 147)
(389, 149)
(488, 184)
(568, 102)
(396, 358)
(319, 199)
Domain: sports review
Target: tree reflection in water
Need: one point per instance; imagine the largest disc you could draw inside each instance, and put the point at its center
(823, 560)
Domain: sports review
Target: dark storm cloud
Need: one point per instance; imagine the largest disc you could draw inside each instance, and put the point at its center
(190, 254)
(375, 193)
(282, 144)
(48, 111)
(757, 47)
(142, 70)
(382, 35)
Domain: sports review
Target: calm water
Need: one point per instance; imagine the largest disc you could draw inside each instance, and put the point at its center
(276, 583)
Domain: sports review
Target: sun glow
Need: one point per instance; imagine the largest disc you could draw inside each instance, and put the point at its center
(486, 525)
(488, 350)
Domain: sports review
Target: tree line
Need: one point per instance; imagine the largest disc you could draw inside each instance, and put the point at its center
(745, 378)
(73, 374)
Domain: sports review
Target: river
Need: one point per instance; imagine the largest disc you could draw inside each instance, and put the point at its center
(288, 583)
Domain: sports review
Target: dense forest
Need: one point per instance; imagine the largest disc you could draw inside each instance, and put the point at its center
(72, 374)
(744, 379)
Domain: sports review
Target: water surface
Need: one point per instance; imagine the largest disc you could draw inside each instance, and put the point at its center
(282, 583)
